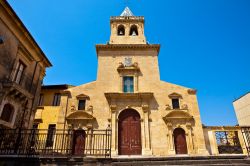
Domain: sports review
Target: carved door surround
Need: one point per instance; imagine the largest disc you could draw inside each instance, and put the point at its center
(117, 105)
(180, 119)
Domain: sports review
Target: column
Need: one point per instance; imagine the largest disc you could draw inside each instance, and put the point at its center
(113, 128)
(190, 138)
(171, 149)
(147, 149)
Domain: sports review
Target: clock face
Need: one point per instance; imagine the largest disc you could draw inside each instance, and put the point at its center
(128, 61)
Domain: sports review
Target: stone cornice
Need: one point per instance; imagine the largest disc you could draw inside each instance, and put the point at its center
(117, 95)
(127, 19)
(126, 46)
(222, 128)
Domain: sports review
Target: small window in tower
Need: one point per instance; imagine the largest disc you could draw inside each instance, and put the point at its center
(121, 30)
(128, 84)
(133, 31)
(175, 103)
(81, 104)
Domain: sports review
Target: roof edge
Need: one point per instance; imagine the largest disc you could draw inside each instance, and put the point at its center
(241, 96)
(57, 86)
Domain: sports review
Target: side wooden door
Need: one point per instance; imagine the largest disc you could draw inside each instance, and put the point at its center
(78, 142)
(180, 141)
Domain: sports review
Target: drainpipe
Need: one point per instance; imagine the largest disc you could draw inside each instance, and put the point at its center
(33, 100)
(66, 113)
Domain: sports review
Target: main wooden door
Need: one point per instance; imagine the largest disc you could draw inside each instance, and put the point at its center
(78, 142)
(180, 141)
(129, 133)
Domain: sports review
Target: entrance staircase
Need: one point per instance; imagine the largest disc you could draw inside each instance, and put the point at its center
(229, 160)
(184, 160)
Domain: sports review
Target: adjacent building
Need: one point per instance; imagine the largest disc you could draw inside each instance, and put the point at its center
(22, 69)
(242, 109)
(49, 112)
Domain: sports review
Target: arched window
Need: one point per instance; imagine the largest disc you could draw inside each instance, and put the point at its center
(7, 113)
(133, 31)
(121, 30)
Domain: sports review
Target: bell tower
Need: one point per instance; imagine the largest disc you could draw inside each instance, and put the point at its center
(127, 28)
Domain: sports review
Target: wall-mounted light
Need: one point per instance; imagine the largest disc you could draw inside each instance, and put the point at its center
(1, 40)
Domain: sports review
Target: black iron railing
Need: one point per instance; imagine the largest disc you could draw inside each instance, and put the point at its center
(228, 142)
(35, 142)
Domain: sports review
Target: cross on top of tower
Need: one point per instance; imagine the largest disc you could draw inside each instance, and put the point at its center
(127, 12)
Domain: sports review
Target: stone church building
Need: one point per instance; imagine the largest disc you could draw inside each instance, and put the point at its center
(147, 116)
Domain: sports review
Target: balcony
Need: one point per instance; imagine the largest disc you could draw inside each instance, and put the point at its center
(23, 89)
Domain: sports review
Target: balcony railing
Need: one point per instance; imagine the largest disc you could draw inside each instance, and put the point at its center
(25, 82)
(61, 143)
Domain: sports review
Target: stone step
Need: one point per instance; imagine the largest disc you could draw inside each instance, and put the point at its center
(128, 161)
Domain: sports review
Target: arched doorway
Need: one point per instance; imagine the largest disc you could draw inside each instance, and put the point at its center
(180, 141)
(129, 133)
(78, 142)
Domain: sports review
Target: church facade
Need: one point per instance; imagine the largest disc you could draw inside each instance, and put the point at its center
(147, 116)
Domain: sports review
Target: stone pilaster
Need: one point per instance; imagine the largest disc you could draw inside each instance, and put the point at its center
(113, 128)
(171, 150)
(190, 138)
(147, 146)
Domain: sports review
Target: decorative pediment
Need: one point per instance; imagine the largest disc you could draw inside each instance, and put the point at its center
(178, 115)
(82, 96)
(174, 95)
(133, 67)
(80, 115)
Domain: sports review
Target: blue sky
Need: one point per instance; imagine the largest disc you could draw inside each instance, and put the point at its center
(204, 44)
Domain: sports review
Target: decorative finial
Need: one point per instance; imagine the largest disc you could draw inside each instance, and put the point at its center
(127, 12)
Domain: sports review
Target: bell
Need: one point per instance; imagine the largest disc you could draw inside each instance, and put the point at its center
(133, 33)
(120, 33)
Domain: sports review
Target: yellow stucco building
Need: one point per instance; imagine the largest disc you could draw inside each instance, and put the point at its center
(147, 116)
